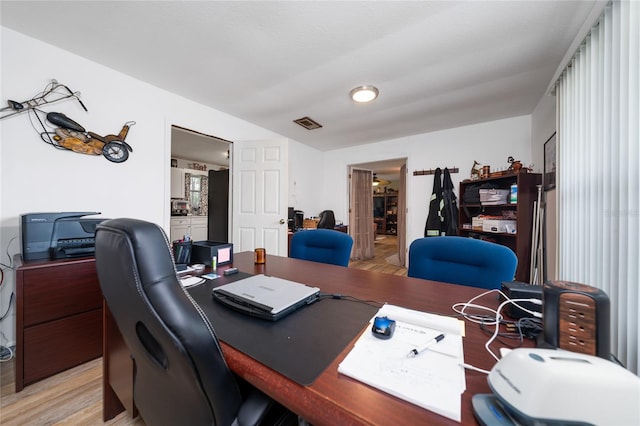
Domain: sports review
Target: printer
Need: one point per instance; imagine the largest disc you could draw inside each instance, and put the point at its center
(59, 235)
(553, 387)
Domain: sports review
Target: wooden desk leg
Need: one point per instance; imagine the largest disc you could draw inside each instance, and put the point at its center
(117, 365)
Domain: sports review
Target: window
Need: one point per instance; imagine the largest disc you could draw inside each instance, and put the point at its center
(195, 194)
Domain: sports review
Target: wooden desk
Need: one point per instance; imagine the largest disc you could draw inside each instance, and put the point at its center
(334, 399)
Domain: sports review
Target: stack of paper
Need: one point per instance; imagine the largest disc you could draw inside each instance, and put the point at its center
(189, 281)
(434, 379)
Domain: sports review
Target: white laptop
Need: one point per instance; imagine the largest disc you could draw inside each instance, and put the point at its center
(266, 297)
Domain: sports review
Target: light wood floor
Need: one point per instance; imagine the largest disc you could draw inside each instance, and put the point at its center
(74, 397)
(386, 248)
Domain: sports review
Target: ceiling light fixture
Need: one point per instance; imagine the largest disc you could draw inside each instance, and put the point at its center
(377, 181)
(364, 94)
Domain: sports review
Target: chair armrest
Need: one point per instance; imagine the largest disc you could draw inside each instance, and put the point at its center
(253, 409)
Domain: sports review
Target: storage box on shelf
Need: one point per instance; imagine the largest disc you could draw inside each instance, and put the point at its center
(491, 216)
(203, 252)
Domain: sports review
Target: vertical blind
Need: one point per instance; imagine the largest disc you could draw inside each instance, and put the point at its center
(598, 173)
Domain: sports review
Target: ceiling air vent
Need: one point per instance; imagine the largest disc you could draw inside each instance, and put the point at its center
(308, 123)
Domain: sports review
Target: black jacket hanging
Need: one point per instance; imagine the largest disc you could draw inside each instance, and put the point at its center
(449, 212)
(433, 226)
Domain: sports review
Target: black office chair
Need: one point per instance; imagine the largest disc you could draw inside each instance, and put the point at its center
(327, 220)
(181, 376)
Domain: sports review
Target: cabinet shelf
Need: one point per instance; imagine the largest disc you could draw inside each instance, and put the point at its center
(466, 232)
(519, 242)
(478, 205)
(385, 213)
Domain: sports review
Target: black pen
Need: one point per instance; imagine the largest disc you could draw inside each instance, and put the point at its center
(415, 352)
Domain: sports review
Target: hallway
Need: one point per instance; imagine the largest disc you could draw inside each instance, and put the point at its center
(386, 247)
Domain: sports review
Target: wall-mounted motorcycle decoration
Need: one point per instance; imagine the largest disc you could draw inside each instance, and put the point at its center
(68, 134)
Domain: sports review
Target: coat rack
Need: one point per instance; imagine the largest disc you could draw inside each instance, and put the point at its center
(432, 171)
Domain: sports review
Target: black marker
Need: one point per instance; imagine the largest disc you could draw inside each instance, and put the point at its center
(415, 352)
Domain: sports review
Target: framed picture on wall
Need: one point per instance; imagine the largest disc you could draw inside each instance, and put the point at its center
(549, 176)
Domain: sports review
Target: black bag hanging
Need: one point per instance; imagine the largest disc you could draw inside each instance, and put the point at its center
(449, 212)
(433, 227)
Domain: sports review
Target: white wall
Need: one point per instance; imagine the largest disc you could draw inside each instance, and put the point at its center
(543, 125)
(35, 177)
(489, 143)
(305, 179)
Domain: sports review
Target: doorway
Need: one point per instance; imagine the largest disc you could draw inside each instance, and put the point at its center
(194, 156)
(388, 191)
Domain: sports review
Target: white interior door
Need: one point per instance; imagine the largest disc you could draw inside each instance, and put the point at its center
(260, 170)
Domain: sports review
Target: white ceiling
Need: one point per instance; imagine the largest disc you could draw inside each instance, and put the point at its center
(189, 145)
(437, 64)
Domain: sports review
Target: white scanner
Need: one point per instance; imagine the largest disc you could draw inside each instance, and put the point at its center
(552, 387)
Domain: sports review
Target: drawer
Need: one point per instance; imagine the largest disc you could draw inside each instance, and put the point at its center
(59, 291)
(58, 345)
(180, 222)
(199, 221)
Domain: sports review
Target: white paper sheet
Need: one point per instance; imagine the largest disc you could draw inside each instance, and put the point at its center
(434, 379)
(191, 281)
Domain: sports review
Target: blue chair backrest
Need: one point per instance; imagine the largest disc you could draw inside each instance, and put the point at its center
(322, 245)
(461, 260)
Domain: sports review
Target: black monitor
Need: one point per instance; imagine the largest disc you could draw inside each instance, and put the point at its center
(292, 219)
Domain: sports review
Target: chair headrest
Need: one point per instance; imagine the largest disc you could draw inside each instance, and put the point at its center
(327, 220)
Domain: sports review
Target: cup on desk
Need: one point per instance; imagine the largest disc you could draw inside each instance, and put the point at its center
(260, 256)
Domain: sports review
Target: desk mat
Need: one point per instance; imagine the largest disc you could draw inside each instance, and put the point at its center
(299, 346)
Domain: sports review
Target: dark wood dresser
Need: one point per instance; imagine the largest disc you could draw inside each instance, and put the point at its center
(58, 317)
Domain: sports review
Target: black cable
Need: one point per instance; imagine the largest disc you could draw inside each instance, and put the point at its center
(526, 328)
(374, 303)
(74, 95)
(530, 327)
(48, 140)
(501, 336)
(4, 266)
(8, 307)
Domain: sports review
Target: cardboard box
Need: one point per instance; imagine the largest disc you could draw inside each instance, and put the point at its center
(499, 226)
(203, 251)
(476, 222)
(492, 197)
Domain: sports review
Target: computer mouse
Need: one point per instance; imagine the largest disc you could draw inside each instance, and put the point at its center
(383, 327)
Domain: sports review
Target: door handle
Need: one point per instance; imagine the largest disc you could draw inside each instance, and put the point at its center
(282, 222)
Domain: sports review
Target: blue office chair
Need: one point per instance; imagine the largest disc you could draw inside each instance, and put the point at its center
(322, 245)
(461, 260)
